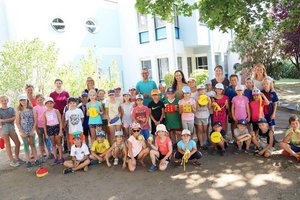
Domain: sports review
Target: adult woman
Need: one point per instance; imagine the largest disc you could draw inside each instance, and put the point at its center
(259, 75)
(219, 77)
(90, 84)
(178, 83)
(59, 96)
(29, 92)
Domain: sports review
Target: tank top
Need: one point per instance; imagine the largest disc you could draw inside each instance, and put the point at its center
(94, 117)
(26, 121)
(265, 137)
(51, 118)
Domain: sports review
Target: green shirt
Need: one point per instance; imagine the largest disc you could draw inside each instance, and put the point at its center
(294, 139)
(173, 120)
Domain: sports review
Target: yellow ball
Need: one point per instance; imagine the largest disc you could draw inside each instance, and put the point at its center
(150, 138)
(140, 137)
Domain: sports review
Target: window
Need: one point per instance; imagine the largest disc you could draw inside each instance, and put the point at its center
(179, 63)
(160, 29)
(58, 25)
(143, 28)
(176, 23)
(163, 67)
(201, 62)
(189, 65)
(217, 59)
(91, 26)
(226, 65)
(147, 64)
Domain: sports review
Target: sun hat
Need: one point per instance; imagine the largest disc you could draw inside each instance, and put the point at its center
(191, 79)
(48, 99)
(161, 127)
(139, 96)
(255, 91)
(41, 172)
(135, 125)
(117, 87)
(216, 137)
(23, 97)
(201, 87)
(185, 132)
(119, 133)
(126, 93)
(154, 92)
(242, 122)
(186, 89)
(219, 86)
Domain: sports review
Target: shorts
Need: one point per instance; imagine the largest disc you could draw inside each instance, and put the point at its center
(86, 132)
(145, 133)
(201, 121)
(104, 122)
(52, 130)
(71, 140)
(8, 129)
(188, 124)
(255, 126)
(41, 137)
(94, 125)
(177, 130)
(270, 121)
(162, 157)
(263, 145)
(295, 148)
(196, 155)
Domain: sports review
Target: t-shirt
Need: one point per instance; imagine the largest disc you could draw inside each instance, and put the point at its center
(156, 109)
(40, 110)
(140, 114)
(85, 123)
(100, 147)
(240, 107)
(163, 147)
(248, 94)
(79, 152)
(230, 92)
(272, 97)
(137, 146)
(173, 120)
(190, 146)
(187, 115)
(294, 139)
(74, 120)
(113, 109)
(119, 99)
(237, 132)
(146, 88)
(127, 112)
(254, 107)
(6, 113)
(60, 100)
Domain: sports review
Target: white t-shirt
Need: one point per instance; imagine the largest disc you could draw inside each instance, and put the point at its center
(113, 109)
(137, 146)
(79, 152)
(127, 116)
(74, 120)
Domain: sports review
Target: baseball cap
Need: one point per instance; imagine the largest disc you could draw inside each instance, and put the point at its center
(191, 79)
(208, 82)
(219, 86)
(201, 87)
(84, 94)
(48, 99)
(262, 120)
(117, 87)
(100, 133)
(170, 90)
(111, 92)
(76, 137)
(154, 92)
(185, 132)
(186, 89)
(217, 124)
(118, 133)
(139, 96)
(132, 88)
(242, 122)
(135, 126)
(71, 99)
(161, 127)
(239, 87)
(23, 97)
(255, 91)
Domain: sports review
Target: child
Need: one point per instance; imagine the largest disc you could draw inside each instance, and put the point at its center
(157, 110)
(103, 101)
(220, 106)
(161, 150)
(202, 116)
(249, 88)
(26, 123)
(74, 118)
(53, 129)
(99, 148)
(127, 108)
(270, 110)
(256, 107)
(291, 142)
(113, 112)
(133, 93)
(118, 95)
(187, 144)
(117, 150)
(172, 116)
(210, 93)
(140, 114)
(222, 141)
(85, 124)
(40, 109)
(7, 118)
(137, 148)
(80, 157)
(193, 87)
(241, 135)
(187, 108)
(162, 91)
(95, 110)
(240, 106)
(263, 139)
(231, 92)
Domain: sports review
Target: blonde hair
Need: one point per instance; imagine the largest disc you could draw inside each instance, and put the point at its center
(20, 107)
(260, 65)
(4, 97)
(39, 96)
(92, 91)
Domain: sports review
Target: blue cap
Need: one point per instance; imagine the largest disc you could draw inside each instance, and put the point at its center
(242, 122)
(111, 92)
(76, 137)
(170, 90)
(262, 120)
(84, 94)
(100, 134)
(186, 89)
(217, 123)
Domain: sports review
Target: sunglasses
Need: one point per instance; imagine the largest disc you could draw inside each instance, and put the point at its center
(135, 131)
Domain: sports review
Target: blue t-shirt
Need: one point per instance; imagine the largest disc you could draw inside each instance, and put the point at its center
(190, 146)
(146, 88)
(272, 97)
(248, 94)
(230, 92)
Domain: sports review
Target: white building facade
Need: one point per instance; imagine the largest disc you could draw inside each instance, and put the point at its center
(117, 33)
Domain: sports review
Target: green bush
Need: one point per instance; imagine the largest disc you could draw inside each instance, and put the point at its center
(201, 75)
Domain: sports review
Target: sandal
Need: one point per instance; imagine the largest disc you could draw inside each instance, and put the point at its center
(197, 163)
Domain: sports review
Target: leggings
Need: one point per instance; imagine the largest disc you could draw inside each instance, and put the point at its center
(26, 145)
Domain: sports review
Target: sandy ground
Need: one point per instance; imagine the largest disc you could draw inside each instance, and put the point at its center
(232, 177)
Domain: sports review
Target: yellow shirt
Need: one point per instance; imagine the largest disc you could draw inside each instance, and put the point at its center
(100, 147)
(294, 139)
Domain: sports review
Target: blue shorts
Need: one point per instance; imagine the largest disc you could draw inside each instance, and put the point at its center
(270, 121)
(295, 148)
(145, 133)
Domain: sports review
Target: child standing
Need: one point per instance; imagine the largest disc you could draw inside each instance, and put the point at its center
(140, 115)
(249, 88)
(187, 108)
(270, 110)
(26, 123)
(157, 110)
(162, 91)
(113, 112)
(53, 129)
(7, 118)
(241, 135)
(118, 150)
(85, 124)
(240, 106)
(95, 110)
(99, 148)
(118, 95)
(133, 93)
(103, 101)
(230, 92)
(127, 108)
(192, 84)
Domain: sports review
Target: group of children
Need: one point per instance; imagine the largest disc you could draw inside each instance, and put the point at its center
(101, 130)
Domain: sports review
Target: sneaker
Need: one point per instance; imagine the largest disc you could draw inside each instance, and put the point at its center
(14, 163)
(20, 161)
(61, 161)
(51, 156)
(231, 141)
(86, 168)
(237, 151)
(116, 161)
(37, 163)
(55, 161)
(153, 168)
(223, 153)
(68, 170)
(28, 165)
(246, 151)
(94, 162)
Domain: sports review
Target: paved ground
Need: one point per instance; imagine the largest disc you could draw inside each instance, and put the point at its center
(231, 177)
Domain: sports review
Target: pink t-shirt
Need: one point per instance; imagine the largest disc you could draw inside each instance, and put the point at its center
(51, 118)
(40, 110)
(140, 114)
(240, 105)
(254, 107)
(163, 147)
(137, 146)
(190, 115)
(60, 100)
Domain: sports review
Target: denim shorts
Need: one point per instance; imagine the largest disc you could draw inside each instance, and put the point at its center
(295, 148)
(8, 129)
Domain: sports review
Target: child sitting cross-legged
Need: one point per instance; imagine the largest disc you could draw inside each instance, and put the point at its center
(241, 136)
(99, 148)
(118, 150)
(218, 139)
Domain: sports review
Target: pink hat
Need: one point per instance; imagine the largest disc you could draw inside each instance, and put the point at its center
(135, 126)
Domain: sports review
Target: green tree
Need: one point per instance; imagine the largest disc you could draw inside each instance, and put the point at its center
(201, 75)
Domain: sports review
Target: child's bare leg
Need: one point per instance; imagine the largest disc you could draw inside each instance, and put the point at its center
(94, 156)
(124, 154)
(173, 136)
(204, 133)
(239, 144)
(107, 157)
(82, 165)
(153, 155)
(93, 134)
(54, 149)
(111, 134)
(287, 148)
(59, 146)
(248, 142)
(132, 164)
(142, 155)
(267, 154)
(221, 145)
(16, 140)
(7, 146)
(68, 164)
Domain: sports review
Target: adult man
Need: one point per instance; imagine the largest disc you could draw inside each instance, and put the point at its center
(145, 86)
